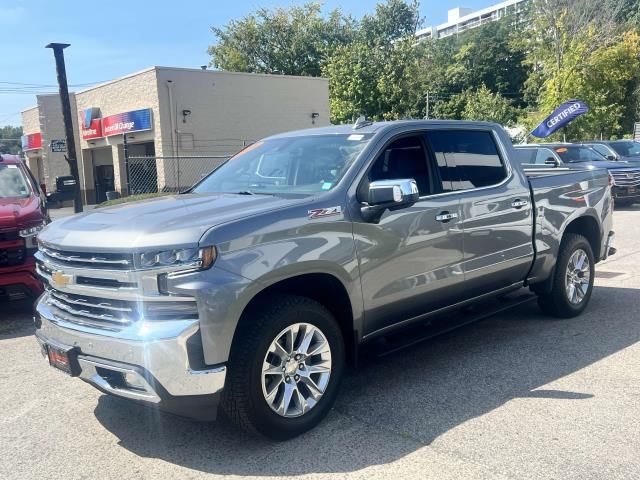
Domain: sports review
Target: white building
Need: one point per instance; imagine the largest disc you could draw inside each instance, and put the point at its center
(179, 124)
(461, 19)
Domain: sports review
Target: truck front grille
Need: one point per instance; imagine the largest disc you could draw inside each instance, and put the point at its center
(96, 312)
(9, 236)
(108, 261)
(10, 257)
(626, 178)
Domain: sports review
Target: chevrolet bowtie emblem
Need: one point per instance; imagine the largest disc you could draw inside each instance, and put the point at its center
(60, 279)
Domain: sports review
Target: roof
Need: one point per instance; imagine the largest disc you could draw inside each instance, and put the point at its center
(381, 127)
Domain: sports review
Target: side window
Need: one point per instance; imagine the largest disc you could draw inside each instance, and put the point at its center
(474, 155)
(601, 149)
(543, 155)
(403, 158)
(526, 155)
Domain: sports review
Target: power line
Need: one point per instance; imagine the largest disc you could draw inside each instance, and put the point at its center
(30, 85)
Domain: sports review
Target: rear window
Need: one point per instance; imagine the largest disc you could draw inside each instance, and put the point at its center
(473, 156)
(13, 182)
(578, 154)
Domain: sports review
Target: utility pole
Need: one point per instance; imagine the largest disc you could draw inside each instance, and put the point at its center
(72, 158)
(427, 111)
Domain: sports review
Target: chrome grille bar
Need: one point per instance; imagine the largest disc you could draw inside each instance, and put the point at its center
(111, 260)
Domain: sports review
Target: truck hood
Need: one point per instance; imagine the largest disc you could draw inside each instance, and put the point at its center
(604, 164)
(16, 213)
(164, 222)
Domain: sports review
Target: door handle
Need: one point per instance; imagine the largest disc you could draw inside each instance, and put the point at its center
(519, 203)
(445, 217)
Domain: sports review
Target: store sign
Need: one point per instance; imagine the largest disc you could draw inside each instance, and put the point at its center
(59, 146)
(31, 141)
(126, 122)
(91, 123)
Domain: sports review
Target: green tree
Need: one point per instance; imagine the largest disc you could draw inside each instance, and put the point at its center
(289, 42)
(481, 104)
(12, 143)
(378, 82)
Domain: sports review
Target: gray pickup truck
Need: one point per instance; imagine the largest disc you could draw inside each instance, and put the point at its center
(252, 290)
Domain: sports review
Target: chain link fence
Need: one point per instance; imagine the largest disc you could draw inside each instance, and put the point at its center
(175, 173)
(152, 174)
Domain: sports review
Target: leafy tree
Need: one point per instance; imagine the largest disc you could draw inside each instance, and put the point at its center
(392, 20)
(481, 104)
(289, 42)
(12, 143)
(377, 82)
(489, 56)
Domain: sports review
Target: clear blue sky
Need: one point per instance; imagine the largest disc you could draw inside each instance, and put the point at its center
(111, 39)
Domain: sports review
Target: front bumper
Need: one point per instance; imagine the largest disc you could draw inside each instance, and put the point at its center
(21, 279)
(623, 193)
(158, 363)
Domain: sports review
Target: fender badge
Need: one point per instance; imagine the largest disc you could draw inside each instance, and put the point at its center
(324, 212)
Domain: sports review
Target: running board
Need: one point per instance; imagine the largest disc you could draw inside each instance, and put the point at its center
(432, 327)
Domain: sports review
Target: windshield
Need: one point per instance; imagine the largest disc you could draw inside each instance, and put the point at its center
(578, 154)
(298, 165)
(627, 149)
(13, 183)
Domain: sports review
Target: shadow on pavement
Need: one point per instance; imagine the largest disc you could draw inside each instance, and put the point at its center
(393, 406)
(16, 319)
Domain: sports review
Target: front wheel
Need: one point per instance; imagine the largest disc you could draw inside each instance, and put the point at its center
(573, 279)
(285, 368)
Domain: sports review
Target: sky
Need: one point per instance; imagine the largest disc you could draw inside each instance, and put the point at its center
(112, 39)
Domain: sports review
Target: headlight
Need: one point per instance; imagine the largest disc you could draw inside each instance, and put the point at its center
(190, 258)
(30, 235)
(31, 231)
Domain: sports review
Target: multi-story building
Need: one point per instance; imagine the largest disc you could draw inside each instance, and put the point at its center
(462, 19)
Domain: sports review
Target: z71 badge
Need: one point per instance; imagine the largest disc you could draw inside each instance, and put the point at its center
(324, 212)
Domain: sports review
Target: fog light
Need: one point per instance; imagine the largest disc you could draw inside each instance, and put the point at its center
(133, 381)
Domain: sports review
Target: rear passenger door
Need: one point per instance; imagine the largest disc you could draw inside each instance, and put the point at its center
(496, 213)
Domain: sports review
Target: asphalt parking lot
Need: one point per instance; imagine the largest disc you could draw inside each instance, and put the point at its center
(515, 396)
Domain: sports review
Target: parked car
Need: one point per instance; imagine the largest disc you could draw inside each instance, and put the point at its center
(616, 150)
(253, 289)
(625, 175)
(22, 216)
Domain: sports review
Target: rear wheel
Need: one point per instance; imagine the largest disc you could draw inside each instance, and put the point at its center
(573, 279)
(285, 368)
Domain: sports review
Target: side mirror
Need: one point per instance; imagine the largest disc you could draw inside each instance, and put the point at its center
(389, 194)
(552, 162)
(611, 157)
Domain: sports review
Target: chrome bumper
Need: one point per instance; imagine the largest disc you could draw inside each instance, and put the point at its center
(154, 356)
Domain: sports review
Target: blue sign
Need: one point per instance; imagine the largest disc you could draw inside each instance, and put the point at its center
(561, 116)
(125, 122)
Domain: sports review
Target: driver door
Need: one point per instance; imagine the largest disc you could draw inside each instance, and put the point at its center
(410, 261)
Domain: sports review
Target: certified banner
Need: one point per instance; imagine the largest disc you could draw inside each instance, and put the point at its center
(561, 116)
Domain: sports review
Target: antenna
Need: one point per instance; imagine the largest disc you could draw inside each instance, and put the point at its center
(361, 122)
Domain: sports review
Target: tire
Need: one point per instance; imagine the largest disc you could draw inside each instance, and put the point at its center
(564, 302)
(246, 391)
(623, 203)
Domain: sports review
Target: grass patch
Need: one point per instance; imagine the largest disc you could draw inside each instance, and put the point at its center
(133, 198)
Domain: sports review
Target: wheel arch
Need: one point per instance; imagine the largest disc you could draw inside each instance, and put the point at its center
(325, 288)
(586, 225)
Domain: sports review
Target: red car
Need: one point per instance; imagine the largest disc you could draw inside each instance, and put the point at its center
(22, 215)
